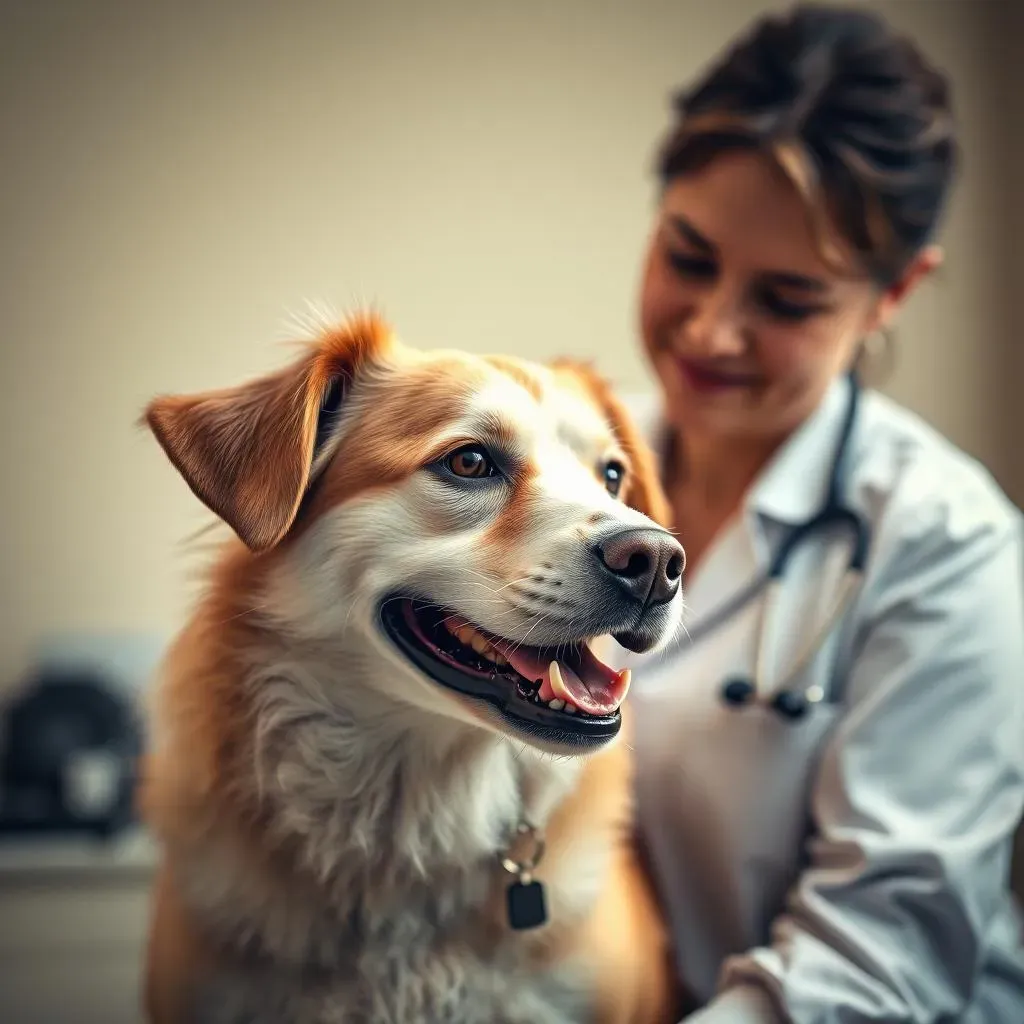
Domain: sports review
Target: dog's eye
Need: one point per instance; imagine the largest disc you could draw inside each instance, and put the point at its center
(614, 474)
(470, 462)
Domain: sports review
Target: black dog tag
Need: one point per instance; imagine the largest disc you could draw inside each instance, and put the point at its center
(526, 905)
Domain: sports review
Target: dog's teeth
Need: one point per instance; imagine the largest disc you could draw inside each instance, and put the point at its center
(570, 709)
(469, 637)
(557, 705)
(561, 691)
(623, 679)
(558, 683)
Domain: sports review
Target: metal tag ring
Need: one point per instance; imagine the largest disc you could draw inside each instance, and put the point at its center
(526, 866)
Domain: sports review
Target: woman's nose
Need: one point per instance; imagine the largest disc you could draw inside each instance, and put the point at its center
(714, 328)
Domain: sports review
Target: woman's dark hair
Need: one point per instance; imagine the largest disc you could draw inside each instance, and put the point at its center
(852, 112)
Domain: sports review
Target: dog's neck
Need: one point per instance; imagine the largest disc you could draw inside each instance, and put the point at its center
(388, 799)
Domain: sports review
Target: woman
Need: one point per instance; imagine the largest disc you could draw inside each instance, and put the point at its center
(850, 863)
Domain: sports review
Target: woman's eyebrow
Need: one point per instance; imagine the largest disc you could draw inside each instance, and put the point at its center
(783, 278)
(692, 235)
(801, 282)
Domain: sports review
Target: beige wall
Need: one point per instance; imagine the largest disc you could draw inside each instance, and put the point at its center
(1006, 34)
(176, 177)
(1005, 31)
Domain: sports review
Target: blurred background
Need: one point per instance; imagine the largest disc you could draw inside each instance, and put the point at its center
(179, 180)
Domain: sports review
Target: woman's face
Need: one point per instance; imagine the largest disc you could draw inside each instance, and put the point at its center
(744, 322)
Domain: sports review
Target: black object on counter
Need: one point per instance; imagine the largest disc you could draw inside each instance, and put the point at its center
(69, 757)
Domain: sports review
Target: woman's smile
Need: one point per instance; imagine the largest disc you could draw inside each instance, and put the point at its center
(713, 380)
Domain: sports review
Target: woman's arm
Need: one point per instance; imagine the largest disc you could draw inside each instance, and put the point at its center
(918, 794)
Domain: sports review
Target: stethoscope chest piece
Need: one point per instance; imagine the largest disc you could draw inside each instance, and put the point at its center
(737, 691)
(790, 704)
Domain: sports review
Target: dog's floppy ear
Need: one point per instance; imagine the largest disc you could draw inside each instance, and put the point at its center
(247, 451)
(643, 486)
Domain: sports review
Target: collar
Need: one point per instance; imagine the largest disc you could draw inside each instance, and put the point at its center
(793, 486)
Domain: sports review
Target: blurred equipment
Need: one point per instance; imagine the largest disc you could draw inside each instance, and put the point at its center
(69, 759)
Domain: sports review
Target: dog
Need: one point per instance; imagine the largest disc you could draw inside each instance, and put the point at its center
(388, 771)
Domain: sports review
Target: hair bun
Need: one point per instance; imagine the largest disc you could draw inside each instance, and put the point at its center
(867, 112)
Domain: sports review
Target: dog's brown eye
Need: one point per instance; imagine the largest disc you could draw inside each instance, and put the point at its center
(614, 475)
(470, 462)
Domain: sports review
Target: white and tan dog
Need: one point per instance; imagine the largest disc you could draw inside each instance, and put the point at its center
(387, 772)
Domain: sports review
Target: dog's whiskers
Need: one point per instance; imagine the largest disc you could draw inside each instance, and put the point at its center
(244, 612)
(493, 590)
(542, 618)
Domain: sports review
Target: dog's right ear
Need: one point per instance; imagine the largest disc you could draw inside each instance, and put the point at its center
(247, 451)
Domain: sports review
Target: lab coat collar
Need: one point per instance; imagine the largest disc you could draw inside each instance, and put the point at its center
(794, 484)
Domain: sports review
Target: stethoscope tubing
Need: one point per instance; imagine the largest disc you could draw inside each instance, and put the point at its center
(794, 704)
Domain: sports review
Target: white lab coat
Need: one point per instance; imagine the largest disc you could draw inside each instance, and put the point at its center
(849, 867)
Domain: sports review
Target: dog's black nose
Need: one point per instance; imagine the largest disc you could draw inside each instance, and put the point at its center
(648, 563)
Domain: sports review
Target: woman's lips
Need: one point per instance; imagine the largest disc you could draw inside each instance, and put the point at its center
(706, 380)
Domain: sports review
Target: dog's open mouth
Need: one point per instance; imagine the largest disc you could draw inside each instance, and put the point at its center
(566, 689)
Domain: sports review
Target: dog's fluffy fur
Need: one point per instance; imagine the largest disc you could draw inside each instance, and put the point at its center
(331, 819)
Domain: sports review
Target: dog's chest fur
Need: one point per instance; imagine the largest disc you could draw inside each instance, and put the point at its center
(405, 989)
(391, 909)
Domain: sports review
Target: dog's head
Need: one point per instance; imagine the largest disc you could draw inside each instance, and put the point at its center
(473, 522)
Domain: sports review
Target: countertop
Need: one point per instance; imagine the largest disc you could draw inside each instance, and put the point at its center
(131, 851)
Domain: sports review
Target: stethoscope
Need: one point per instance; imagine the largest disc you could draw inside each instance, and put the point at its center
(793, 703)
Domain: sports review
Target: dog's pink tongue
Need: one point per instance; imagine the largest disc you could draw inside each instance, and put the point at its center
(587, 681)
